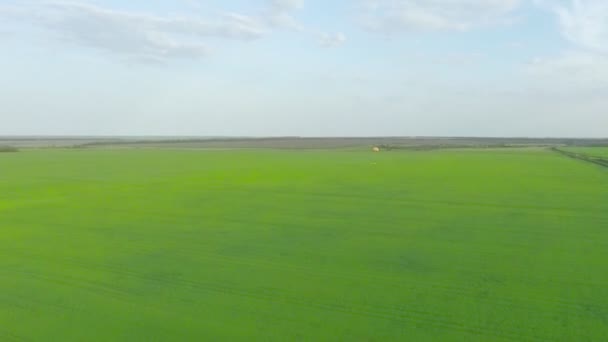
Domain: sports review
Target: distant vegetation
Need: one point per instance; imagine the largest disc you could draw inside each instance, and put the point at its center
(8, 149)
(436, 146)
(384, 143)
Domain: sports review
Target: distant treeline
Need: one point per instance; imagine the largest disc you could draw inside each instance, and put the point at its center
(8, 149)
(386, 147)
(180, 141)
(385, 143)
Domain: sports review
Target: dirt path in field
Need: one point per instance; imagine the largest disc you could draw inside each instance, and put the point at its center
(584, 157)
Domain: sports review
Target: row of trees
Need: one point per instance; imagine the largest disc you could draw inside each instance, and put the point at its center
(8, 149)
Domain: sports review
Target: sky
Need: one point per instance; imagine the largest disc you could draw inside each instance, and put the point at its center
(517, 68)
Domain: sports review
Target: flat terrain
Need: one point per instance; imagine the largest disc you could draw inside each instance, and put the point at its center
(227, 245)
(600, 152)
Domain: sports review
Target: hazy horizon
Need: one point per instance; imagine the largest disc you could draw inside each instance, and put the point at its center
(304, 68)
(255, 137)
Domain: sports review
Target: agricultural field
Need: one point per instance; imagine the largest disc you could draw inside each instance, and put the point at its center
(277, 245)
(599, 152)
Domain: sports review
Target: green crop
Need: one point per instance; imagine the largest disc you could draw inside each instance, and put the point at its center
(601, 152)
(192, 245)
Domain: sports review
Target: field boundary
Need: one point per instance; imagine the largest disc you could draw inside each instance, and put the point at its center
(581, 156)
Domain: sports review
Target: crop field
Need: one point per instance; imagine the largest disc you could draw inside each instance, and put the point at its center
(231, 245)
(600, 152)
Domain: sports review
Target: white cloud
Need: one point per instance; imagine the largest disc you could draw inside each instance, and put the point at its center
(585, 23)
(10, 12)
(281, 14)
(140, 36)
(287, 5)
(328, 40)
(434, 15)
(283, 20)
(584, 69)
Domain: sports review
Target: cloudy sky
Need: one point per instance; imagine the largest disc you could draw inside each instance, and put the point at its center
(304, 67)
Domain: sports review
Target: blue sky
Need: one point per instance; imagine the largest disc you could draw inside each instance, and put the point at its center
(305, 67)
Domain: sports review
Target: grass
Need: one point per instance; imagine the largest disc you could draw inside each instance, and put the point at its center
(142, 245)
(600, 152)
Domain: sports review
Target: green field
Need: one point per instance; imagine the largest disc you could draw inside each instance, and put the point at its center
(228, 245)
(600, 152)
